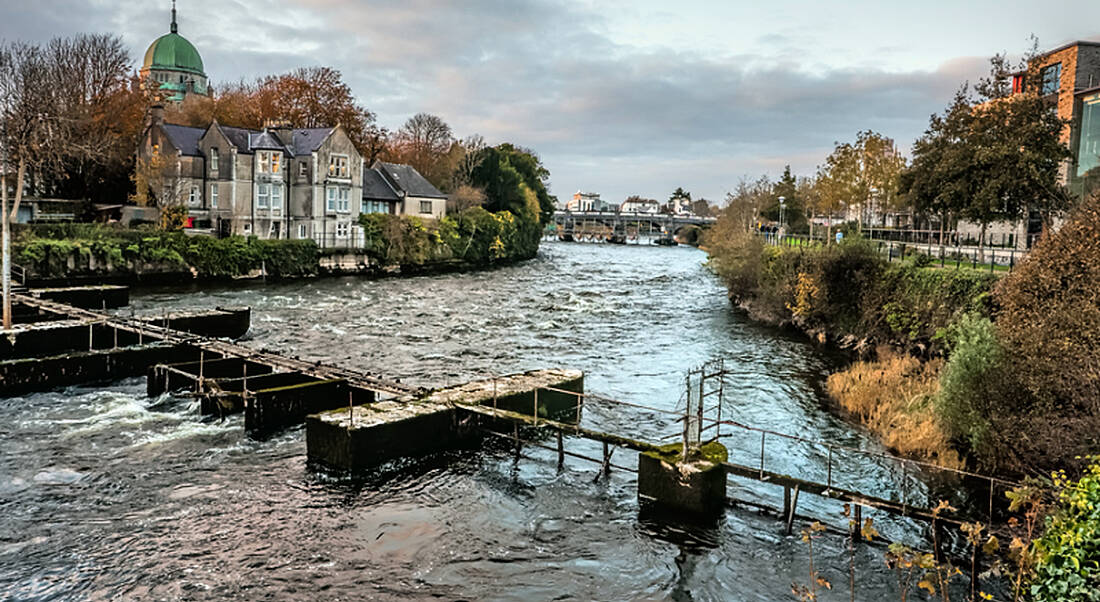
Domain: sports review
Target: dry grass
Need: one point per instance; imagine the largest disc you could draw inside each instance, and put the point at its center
(893, 398)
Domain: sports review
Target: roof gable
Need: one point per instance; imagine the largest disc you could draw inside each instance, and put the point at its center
(184, 138)
(406, 179)
(376, 188)
(308, 140)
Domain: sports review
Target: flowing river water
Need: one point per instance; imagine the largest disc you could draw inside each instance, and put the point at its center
(106, 494)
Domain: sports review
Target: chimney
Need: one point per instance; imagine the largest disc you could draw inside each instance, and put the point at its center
(156, 115)
(282, 130)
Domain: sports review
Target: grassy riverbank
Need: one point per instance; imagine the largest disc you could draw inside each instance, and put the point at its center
(472, 239)
(962, 367)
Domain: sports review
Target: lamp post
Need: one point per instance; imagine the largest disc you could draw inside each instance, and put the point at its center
(782, 206)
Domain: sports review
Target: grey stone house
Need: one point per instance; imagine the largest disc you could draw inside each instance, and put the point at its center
(272, 183)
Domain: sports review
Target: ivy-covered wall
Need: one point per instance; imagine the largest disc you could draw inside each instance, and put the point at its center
(473, 238)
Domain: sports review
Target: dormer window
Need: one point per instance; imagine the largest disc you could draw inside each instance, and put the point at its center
(338, 166)
(214, 160)
(269, 161)
(303, 169)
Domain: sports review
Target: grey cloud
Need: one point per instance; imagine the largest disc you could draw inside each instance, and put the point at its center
(620, 119)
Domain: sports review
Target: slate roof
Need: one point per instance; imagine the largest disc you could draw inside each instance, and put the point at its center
(405, 178)
(184, 138)
(238, 137)
(375, 187)
(307, 140)
(266, 140)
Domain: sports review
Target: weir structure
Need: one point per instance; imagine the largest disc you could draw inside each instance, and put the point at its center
(357, 420)
(59, 345)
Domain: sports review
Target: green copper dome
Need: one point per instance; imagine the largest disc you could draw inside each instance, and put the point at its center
(173, 52)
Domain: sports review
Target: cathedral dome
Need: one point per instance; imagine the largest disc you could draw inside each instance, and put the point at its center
(172, 52)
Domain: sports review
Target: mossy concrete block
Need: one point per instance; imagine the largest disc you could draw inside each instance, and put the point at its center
(555, 389)
(695, 488)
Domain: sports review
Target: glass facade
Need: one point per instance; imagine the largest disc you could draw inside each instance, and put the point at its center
(1088, 153)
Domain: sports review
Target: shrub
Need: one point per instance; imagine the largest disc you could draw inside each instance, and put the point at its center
(972, 385)
(1067, 554)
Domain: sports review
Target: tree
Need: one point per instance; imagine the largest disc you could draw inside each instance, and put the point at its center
(422, 142)
(794, 212)
(992, 157)
(864, 173)
(744, 204)
(304, 98)
(514, 180)
(465, 197)
(678, 200)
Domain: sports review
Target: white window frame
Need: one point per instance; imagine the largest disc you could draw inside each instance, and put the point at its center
(343, 200)
(247, 228)
(276, 197)
(301, 231)
(213, 196)
(343, 229)
(429, 204)
(337, 168)
(303, 169)
(194, 197)
(214, 156)
(330, 199)
(273, 231)
(269, 162)
(263, 196)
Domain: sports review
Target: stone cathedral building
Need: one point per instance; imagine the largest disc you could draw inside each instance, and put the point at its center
(174, 64)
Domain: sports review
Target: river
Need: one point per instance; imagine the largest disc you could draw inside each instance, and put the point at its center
(106, 494)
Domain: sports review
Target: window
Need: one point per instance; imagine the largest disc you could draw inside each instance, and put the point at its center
(248, 228)
(1051, 76)
(343, 200)
(1018, 83)
(276, 197)
(269, 161)
(213, 160)
(330, 204)
(214, 196)
(301, 230)
(274, 232)
(193, 198)
(338, 166)
(425, 206)
(303, 169)
(263, 196)
(342, 230)
(376, 207)
(1088, 156)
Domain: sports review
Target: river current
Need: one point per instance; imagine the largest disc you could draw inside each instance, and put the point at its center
(106, 494)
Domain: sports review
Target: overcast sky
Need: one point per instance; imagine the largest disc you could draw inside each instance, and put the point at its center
(618, 97)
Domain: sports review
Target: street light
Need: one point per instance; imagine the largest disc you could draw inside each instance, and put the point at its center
(782, 206)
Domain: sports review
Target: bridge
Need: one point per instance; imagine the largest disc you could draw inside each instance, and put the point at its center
(623, 226)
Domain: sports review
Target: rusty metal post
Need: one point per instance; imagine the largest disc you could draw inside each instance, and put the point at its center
(561, 452)
(535, 412)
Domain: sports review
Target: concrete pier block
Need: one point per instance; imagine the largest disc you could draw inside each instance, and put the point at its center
(105, 296)
(372, 434)
(692, 489)
(25, 375)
